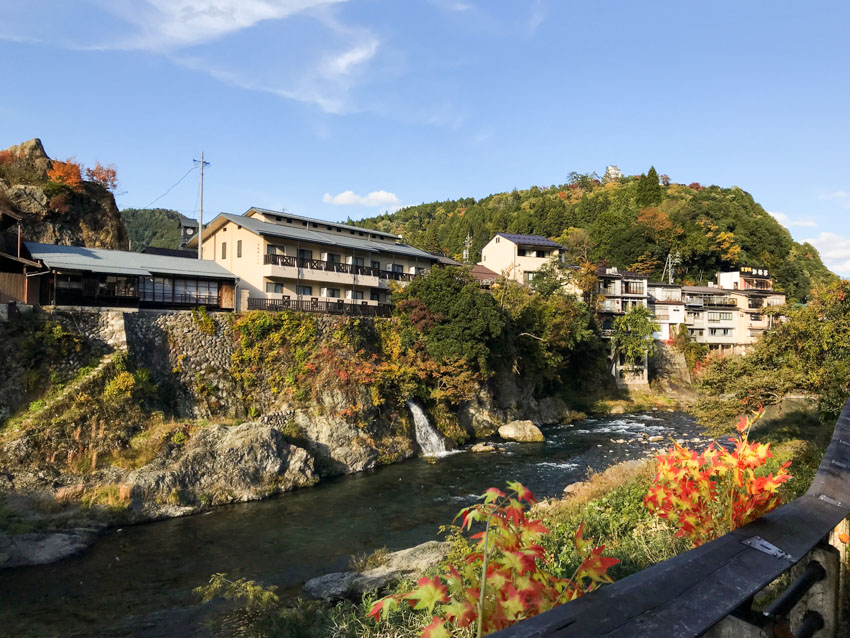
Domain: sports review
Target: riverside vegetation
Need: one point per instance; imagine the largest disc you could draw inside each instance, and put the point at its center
(94, 437)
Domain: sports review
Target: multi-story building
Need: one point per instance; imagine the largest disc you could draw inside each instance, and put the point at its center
(519, 257)
(618, 291)
(289, 261)
(710, 314)
(668, 307)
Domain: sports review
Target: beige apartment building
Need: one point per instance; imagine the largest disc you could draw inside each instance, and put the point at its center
(519, 257)
(289, 261)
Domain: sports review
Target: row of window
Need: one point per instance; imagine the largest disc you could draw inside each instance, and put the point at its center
(336, 258)
(332, 293)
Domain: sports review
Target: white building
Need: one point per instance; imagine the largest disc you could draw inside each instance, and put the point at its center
(519, 257)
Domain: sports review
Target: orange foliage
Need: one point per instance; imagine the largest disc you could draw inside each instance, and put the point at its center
(106, 176)
(655, 219)
(67, 173)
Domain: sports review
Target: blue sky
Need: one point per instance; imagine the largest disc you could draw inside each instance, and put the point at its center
(337, 108)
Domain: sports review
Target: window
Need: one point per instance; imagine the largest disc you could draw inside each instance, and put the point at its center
(333, 258)
(239, 248)
(224, 250)
(304, 290)
(720, 332)
(357, 261)
(274, 287)
(375, 295)
(273, 249)
(497, 240)
(529, 276)
(332, 292)
(719, 316)
(756, 317)
(376, 265)
(357, 294)
(398, 268)
(303, 253)
(521, 252)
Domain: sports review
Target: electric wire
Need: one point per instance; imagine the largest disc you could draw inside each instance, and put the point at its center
(172, 186)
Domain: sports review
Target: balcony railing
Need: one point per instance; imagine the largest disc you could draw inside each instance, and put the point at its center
(363, 309)
(335, 266)
(710, 300)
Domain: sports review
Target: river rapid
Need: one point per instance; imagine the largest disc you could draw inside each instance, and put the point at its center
(138, 581)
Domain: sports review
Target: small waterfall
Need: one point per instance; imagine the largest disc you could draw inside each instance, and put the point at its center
(431, 441)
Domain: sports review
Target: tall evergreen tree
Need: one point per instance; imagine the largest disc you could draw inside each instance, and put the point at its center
(648, 189)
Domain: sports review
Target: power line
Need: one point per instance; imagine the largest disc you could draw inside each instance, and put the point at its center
(172, 186)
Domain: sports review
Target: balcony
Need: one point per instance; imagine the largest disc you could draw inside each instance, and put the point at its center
(335, 266)
(363, 309)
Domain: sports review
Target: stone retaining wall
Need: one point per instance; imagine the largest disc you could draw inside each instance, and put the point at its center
(190, 364)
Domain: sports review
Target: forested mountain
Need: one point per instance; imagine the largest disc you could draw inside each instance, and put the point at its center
(157, 227)
(633, 222)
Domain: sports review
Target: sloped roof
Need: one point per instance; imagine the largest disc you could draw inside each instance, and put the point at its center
(300, 233)
(482, 272)
(122, 262)
(313, 220)
(530, 240)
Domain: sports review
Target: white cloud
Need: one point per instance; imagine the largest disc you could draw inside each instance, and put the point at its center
(786, 221)
(350, 198)
(182, 23)
(834, 250)
(319, 63)
(538, 14)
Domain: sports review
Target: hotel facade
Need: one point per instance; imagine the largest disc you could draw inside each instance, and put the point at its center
(289, 261)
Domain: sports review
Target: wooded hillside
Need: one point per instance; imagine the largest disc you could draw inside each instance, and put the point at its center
(633, 222)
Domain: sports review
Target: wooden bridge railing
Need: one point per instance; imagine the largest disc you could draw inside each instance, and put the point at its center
(709, 590)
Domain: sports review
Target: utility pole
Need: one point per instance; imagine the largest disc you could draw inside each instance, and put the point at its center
(467, 244)
(201, 209)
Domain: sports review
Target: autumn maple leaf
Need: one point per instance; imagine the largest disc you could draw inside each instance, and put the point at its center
(429, 592)
(523, 493)
(437, 629)
(383, 607)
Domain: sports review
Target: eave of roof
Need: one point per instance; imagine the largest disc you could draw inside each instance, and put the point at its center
(530, 240)
(269, 229)
(313, 220)
(99, 260)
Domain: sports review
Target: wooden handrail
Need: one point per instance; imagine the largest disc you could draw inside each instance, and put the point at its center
(685, 596)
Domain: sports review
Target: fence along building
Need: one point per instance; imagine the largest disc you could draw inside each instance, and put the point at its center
(80, 276)
(289, 261)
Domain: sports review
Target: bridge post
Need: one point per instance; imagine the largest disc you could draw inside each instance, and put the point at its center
(734, 627)
(843, 528)
(822, 598)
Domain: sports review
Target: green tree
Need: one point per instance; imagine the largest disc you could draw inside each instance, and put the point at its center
(457, 318)
(807, 352)
(648, 189)
(549, 278)
(632, 336)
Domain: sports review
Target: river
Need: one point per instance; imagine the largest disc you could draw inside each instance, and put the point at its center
(137, 581)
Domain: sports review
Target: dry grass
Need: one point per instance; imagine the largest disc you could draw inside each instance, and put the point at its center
(596, 485)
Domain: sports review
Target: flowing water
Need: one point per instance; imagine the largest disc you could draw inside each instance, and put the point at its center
(430, 441)
(138, 581)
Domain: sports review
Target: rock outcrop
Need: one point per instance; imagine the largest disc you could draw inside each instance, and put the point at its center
(52, 214)
(224, 465)
(405, 563)
(523, 431)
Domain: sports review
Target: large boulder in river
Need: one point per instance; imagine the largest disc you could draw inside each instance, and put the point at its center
(405, 563)
(223, 464)
(523, 431)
